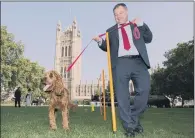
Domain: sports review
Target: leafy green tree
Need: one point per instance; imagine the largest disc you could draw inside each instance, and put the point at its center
(177, 78)
(16, 70)
(11, 52)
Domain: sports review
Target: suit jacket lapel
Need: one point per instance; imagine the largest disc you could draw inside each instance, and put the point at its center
(116, 31)
(117, 37)
(132, 28)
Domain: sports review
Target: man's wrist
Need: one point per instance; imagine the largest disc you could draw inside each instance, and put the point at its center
(100, 42)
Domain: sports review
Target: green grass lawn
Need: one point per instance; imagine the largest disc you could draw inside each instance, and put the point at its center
(32, 122)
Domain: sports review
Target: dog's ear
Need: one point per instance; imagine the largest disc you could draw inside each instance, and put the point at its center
(51, 75)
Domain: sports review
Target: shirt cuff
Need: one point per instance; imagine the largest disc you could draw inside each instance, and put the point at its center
(100, 42)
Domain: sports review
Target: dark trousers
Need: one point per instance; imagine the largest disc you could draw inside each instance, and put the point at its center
(131, 69)
(17, 101)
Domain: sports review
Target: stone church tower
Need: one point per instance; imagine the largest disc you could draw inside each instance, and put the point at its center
(68, 46)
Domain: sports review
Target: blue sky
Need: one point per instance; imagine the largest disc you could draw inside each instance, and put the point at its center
(35, 24)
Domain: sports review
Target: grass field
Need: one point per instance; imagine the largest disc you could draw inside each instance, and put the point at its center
(32, 122)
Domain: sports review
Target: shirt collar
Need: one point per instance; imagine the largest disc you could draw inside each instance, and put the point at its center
(125, 23)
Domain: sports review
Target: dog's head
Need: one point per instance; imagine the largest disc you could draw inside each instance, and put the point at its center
(52, 81)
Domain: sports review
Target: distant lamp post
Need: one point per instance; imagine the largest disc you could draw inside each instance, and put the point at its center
(98, 86)
(28, 83)
(1, 75)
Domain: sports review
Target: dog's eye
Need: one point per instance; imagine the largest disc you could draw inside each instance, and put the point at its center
(45, 78)
(51, 75)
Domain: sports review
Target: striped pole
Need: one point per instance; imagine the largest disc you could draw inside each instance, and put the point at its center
(99, 79)
(111, 84)
(103, 92)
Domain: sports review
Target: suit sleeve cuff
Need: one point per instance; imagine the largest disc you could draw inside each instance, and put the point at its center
(100, 42)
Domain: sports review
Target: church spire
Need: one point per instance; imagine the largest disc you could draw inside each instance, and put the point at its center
(59, 26)
(74, 21)
(59, 22)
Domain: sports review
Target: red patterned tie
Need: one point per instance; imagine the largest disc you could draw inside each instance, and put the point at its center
(125, 38)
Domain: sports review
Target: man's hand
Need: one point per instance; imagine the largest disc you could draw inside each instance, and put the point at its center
(136, 20)
(97, 38)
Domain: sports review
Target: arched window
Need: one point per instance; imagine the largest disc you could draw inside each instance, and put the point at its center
(66, 51)
(64, 72)
(68, 74)
(69, 51)
(61, 72)
(62, 52)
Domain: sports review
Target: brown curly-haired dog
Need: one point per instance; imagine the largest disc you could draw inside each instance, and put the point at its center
(59, 97)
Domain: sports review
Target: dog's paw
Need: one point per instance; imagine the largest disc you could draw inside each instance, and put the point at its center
(66, 128)
(53, 128)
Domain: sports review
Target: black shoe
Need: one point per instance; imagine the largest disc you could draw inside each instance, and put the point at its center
(129, 132)
(139, 129)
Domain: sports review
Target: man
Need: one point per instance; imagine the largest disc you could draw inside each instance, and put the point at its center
(17, 96)
(129, 60)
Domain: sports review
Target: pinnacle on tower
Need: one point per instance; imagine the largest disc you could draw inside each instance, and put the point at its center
(59, 25)
(59, 22)
(74, 21)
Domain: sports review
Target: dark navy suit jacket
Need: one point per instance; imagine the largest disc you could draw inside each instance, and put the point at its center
(145, 37)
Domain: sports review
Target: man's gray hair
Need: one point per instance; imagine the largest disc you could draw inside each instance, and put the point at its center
(118, 5)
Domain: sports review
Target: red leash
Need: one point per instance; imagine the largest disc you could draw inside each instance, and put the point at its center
(136, 34)
(78, 57)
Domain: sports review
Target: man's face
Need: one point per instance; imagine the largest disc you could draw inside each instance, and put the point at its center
(121, 15)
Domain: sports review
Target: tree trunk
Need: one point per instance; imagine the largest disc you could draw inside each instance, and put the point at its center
(182, 102)
(172, 101)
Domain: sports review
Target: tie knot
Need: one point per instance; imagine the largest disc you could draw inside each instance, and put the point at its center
(123, 24)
